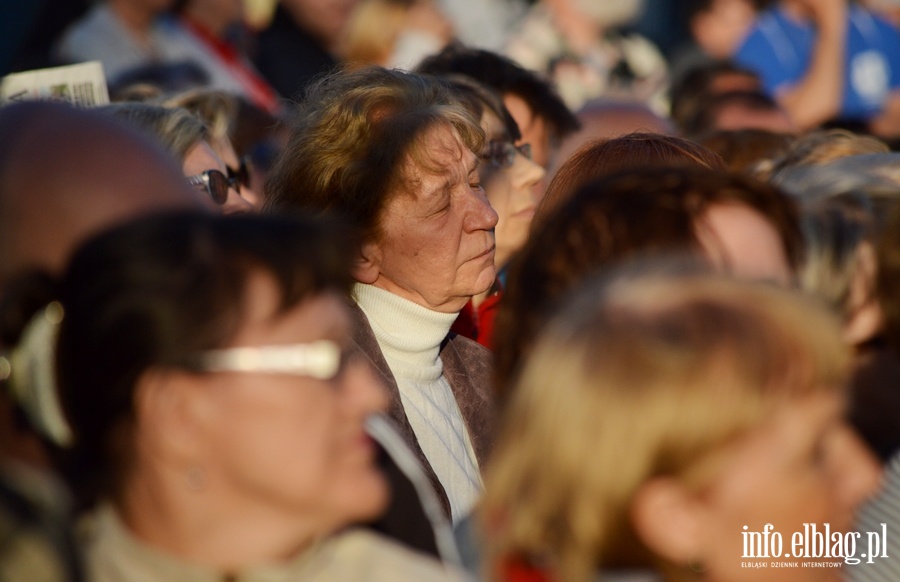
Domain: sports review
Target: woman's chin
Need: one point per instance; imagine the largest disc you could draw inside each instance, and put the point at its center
(369, 497)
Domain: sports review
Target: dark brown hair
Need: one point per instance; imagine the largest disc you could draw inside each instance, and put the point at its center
(150, 294)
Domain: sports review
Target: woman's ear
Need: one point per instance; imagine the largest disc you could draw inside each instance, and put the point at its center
(668, 519)
(168, 415)
(367, 266)
(864, 315)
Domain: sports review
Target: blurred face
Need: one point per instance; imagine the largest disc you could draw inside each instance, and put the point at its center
(201, 158)
(803, 465)
(510, 190)
(325, 19)
(720, 29)
(225, 150)
(739, 240)
(534, 129)
(291, 444)
(437, 242)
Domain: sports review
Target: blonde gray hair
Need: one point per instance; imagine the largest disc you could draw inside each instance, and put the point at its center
(174, 127)
(681, 364)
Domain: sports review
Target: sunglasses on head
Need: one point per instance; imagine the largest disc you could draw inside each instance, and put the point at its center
(216, 184)
(502, 154)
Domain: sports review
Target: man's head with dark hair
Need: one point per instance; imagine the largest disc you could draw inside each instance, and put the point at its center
(541, 114)
(718, 26)
(740, 110)
(691, 92)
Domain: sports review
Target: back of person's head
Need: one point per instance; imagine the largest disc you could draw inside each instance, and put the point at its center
(876, 174)
(478, 99)
(682, 366)
(690, 93)
(351, 135)
(837, 267)
(66, 172)
(649, 211)
(749, 151)
(215, 109)
(609, 118)
(506, 77)
(372, 32)
(751, 109)
(175, 127)
(167, 77)
(634, 151)
(844, 205)
(823, 146)
(139, 92)
(146, 296)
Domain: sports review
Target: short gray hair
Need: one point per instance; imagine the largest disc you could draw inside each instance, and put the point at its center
(176, 128)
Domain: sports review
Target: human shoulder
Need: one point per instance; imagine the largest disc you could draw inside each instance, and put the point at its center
(359, 554)
(91, 33)
(461, 354)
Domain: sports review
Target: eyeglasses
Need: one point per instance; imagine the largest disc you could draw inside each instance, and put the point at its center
(502, 154)
(242, 173)
(216, 184)
(322, 359)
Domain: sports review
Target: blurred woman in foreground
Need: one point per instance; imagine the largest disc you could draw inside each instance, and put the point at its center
(658, 419)
(205, 371)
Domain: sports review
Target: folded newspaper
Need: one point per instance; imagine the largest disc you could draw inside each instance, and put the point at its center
(83, 84)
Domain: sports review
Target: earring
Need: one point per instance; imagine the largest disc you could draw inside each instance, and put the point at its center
(196, 478)
(696, 566)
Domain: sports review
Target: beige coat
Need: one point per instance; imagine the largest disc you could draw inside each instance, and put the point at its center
(113, 554)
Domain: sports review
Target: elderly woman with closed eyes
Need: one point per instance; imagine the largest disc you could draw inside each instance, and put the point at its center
(398, 154)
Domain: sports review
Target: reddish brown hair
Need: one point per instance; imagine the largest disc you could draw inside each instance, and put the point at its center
(633, 151)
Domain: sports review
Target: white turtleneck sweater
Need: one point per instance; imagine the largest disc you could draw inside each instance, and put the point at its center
(410, 337)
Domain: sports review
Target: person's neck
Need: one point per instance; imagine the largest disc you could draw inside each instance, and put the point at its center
(136, 18)
(210, 527)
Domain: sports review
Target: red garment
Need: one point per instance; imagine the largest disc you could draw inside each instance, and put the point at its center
(257, 89)
(519, 571)
(478, 324)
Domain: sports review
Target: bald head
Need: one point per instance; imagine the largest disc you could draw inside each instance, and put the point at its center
(608, 119)
(67, 173)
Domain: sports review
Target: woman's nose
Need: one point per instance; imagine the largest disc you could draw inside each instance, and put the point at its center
(480, 215)
(526, 173)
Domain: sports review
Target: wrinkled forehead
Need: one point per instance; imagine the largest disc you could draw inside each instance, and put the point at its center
(437, 153)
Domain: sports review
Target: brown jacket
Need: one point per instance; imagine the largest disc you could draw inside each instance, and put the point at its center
(467, 368)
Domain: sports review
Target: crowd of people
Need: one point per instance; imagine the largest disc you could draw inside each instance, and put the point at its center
(355, 293)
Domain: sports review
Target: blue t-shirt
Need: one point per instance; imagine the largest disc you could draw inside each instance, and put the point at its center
(780, 50)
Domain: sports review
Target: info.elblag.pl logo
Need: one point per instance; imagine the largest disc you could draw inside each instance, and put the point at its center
(816, 546)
